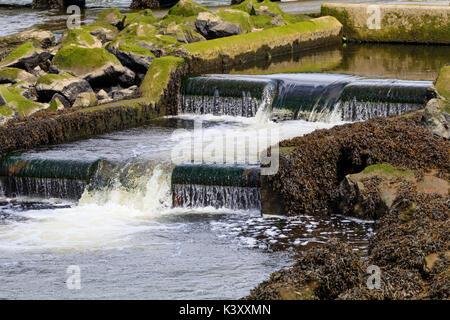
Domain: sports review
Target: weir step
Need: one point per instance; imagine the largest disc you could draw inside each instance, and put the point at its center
(45, 178)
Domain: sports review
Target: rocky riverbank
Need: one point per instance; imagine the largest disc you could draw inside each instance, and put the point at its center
(394, 171)
(137, 60)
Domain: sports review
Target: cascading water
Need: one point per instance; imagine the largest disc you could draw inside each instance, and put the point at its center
(313, 97)
(225, 95)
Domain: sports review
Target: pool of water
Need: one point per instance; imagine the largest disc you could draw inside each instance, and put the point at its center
(130, 243)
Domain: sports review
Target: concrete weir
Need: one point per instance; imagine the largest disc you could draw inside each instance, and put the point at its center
(224, 186)
(44, 178)
(404, 23)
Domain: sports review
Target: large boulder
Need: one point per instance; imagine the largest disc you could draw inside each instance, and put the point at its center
(143, 16)
(85, 99)
(13, 104)
(436, 117)
(14, 75)
(183, 33)
(186, 8)
(145, 36)
(96, 65)
(25, 57)
(212, 26)
(111, 16)
(80, 37)
(64, 84)
(376, 190)
(39, 38)
(134, 57)
(238, 17)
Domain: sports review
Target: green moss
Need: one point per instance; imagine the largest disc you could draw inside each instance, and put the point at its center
(13, 98)
(255, 40)
(19, 52)
(50, 78)
(186, 8)
(143, 16)
(286, 149)
(10, 73)
(269, 6)
(5, 111)
(343, 17)
(169, 19)
(388, 169)
(397, 25)
(236, 16)
(136, 50)
(246, 6)
(81, 60)
(294, 18)
(110, 15)
(443, 82)
(261, 21)
(55, 105)
(158, 76)
(79, 37)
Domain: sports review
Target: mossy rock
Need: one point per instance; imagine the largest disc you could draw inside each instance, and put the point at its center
(143, 36)
(158, 76)
(143, 16)
(246, 6)
(85, 99)
(14, 101)
(25, 57)
(14, 75)
(443, 82)
(55, 105)
(398, 23)
(186, 8)
(50, 79)
(81, 37)
(24, 50)
(111, 16)
(169, 19)
(79, 60)
(387, 169)
(237, 17)
(183, 33)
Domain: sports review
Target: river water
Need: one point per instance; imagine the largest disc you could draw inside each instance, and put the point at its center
(130, 243)
(125, 236)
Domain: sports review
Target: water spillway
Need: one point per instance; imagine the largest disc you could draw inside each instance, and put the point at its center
(217, 186)
(45, 178)
(302, 96)
(225, 95)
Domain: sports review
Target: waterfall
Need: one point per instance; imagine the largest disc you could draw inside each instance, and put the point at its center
(230, 95)
(308, 96)
(237, 198)
(45, 178)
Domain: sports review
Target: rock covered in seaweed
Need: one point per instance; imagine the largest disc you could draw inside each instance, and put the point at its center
(25, 57)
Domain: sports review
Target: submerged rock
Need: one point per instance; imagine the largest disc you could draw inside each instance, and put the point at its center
(25, 57)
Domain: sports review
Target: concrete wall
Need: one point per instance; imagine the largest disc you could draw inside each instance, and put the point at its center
(392, 23)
